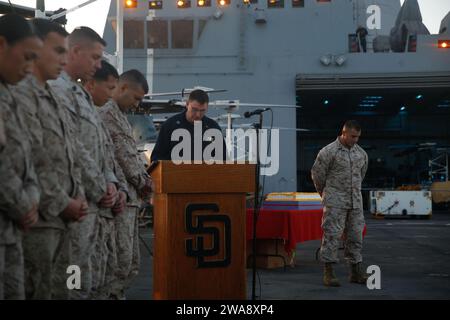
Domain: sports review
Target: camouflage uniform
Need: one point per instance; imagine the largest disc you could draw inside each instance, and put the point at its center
(84, 235)
(19, 193)
(127, 223)
(337, 174)
(106, 252)
(58, 157)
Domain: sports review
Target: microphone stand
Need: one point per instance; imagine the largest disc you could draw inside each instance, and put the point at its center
(256, 203)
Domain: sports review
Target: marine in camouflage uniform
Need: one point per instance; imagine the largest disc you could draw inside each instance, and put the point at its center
(127, 227)
(337, 174)
(59, 159)
(101, 87)
(19, 195)
(105, 276)
(84, 235)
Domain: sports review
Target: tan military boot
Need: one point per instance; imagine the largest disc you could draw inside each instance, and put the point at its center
(329, 278)
(357, 274)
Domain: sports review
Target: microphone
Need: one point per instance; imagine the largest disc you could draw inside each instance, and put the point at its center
(248, 114)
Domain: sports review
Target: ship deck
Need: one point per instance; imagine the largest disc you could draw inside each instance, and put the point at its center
(413, 255)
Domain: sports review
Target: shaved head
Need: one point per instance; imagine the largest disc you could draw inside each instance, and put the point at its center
(132, 88)
(85, 53)
(134, 78)
(85, 36)
(351, 132)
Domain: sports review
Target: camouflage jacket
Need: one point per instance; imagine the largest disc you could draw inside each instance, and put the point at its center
(19, 190)
(125, 149)
(58, 155)
(89, 130)
(338, 173)
(112, 162)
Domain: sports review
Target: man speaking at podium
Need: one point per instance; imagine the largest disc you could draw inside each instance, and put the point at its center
(191, 135)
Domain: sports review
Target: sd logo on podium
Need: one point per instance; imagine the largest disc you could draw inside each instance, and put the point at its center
(195, 225)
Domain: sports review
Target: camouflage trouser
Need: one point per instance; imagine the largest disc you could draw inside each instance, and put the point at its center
(83, 241)
(11, 271)
(105, 259)
(45, 254)
(128, 256)
(339, 223)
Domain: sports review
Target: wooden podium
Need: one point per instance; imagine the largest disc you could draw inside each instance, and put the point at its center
(199, 226)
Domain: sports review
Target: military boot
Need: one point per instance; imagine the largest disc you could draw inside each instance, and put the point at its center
(357, 274)
(329, 278)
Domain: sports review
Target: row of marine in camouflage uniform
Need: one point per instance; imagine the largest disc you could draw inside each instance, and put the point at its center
(68, 191)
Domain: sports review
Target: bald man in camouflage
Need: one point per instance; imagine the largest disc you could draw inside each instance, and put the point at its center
(337, 174)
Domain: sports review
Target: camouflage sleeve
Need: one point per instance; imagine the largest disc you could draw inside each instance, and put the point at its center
(53, 197)
(121, 177)
(2, 132)
(319, 170)
(32, 187)
(125, 153)
(54, 201)
(365, 166)
(79, 190)
(17, 196)
(110, 175)
(112, 162)
(93, 180)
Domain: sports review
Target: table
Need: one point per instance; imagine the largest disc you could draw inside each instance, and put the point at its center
(293, 226)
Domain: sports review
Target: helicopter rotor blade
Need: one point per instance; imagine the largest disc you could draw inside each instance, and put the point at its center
(260, 105)
(183, 92)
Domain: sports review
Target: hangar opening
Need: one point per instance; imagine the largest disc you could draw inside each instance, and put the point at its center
(405, 123)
